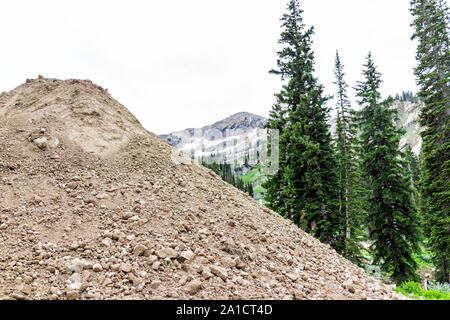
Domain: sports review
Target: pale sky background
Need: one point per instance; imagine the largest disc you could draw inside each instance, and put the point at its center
(177, 64)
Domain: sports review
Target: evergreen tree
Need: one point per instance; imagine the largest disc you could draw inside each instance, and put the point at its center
(225, 171)
(414, 165)
(227, 174)
(305, 187)
(214, 167)
(424, 213)
(240, 184)
(392, 214)
(351, 185)
(250, 189)
(407, 96)
(431, 21)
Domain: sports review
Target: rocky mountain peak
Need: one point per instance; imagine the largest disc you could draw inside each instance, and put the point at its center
(241, 120)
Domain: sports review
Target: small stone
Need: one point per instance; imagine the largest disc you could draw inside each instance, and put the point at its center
(136, 280)
(72, 185)
(73, 294)
(156, 265)
(18, 296)
(116, 234)
(185, 256)
(27, 279)
(125, 267)
(74, 246)
(193, 287)
(155, 284)
(166, 253)
(107, 242)
(228, 262)
(139, 250)
(185, 279)
(206, 273)
(115, 267)
(188, 268)
(51, 269)
(292, 276)
(25, 288)
(147, 253)
(140, 287)
(41, 143)
(127, 215)
(97, 267)
(349, 286)
(152, 259)
(219, 271)
(102, 196)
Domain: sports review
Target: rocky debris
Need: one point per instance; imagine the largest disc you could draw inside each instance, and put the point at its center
(155, 284)
(219, 271)
(102, 196)
(186, 256)
(72, 295)
(193, 287)
(349, 286)
(107, 214)
(25, 288)
(42, 140)
(229, 262)
(126, 267)
(156, 265)
(107, 242)
(139, 250)
(166, 253)
(97, 267)
(206, 273)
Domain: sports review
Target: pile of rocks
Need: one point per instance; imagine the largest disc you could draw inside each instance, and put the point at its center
(116, 218)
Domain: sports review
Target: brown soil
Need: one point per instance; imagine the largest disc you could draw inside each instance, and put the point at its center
(93, 207)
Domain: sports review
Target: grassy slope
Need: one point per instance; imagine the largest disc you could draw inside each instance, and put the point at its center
(255, 177)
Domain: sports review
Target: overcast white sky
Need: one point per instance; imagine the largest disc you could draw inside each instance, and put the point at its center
(178, 63)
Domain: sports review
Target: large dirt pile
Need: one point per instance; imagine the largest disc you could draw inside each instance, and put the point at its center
(93, 207)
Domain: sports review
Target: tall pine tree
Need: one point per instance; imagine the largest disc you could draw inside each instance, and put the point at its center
(305, 187)
(392, 214)
(351, 185)
(414, 165)
(431, 21)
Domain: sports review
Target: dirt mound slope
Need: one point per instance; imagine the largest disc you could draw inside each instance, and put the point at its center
(79, 112)
(93, 207)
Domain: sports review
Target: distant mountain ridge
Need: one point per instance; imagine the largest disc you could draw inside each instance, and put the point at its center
(247, 124)
(232, 136)
(240, 120)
